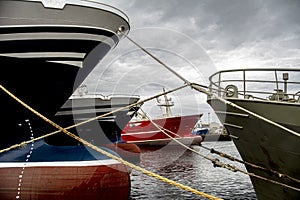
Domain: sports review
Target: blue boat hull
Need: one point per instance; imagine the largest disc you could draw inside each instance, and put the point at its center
(42, 171)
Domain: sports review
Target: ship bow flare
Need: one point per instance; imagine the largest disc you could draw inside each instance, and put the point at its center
(48, 48)
(261, 113)
(58, 31)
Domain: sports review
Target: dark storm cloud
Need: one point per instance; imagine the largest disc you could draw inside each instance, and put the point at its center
(251, 33)
(240, 20)
(189, 35)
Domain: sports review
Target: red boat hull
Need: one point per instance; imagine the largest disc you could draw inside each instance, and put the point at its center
(96, 181)
(127, 151)
(146, 133)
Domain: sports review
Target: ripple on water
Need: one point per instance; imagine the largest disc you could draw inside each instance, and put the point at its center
(192, 170)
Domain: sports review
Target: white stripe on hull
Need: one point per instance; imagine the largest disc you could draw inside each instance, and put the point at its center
(167, 139)
(46, 55)
(55, 36)
(140, 133)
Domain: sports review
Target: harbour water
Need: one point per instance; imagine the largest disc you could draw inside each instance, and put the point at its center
(190, 169)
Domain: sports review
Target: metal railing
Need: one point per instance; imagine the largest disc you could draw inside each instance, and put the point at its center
(257, 83)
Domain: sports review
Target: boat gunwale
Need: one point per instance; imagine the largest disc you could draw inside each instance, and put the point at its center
(165, 118)
(231, 91)
(60, 4)
(104, 97)
(57, 26)
(266, 101)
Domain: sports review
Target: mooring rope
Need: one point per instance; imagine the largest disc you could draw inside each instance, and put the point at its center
(195, 86)
(86, 121)
(217, 163)
(201, 89)
(232, 158)
(147, 172)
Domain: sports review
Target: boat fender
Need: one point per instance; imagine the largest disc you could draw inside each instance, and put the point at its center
(231, 91)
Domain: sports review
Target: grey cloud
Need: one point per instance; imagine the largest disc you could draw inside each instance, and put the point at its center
(195, 37)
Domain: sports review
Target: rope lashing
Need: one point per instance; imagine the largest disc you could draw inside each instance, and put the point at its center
(187, 188)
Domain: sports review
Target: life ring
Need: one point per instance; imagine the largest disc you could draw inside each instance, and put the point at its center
(231, 91)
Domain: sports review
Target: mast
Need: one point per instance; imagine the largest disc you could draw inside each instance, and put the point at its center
(167, 104)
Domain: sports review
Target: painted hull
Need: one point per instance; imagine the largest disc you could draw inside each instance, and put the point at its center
(105, 131)
(101, 131)
(48, 172)
(96, 182)
(50, 47)
(127, 151)
(265, 145)
(145, 133)
(47, 50)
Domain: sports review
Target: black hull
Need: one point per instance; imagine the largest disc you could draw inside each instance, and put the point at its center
(98, 132)
(44, 86)
(47, 50)
(103, 130)
(44, 89)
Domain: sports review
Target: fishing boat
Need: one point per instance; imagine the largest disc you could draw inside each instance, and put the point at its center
(260, 109)
(210, 134)
(43, 171)
(160, 131)
(113, 112)
(200, 129)
(48, 48)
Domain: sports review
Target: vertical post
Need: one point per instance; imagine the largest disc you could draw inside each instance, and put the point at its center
(285, 77)
(244, 79)
(277, 88)
(219, 85)
(208, 118)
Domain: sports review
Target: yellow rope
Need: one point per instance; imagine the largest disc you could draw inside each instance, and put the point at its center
(187, 188)
(86, 121)
(200, 88)
(218, 163)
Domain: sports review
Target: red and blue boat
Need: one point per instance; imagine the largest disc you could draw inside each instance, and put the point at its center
(43, 171)
(48, 48)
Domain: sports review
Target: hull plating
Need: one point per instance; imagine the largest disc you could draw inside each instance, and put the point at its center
(53, 48)
(41, 171)
(265, 145)
(73, 182)
(145, 132)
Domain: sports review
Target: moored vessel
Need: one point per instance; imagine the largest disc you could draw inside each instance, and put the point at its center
(43, 171)
(106, 116)
(47, 50)
(260, 111)
(161, 130)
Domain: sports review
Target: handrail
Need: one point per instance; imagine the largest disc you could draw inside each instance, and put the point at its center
(218, 78)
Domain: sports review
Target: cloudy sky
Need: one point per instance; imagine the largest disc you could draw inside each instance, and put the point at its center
(196, 38)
